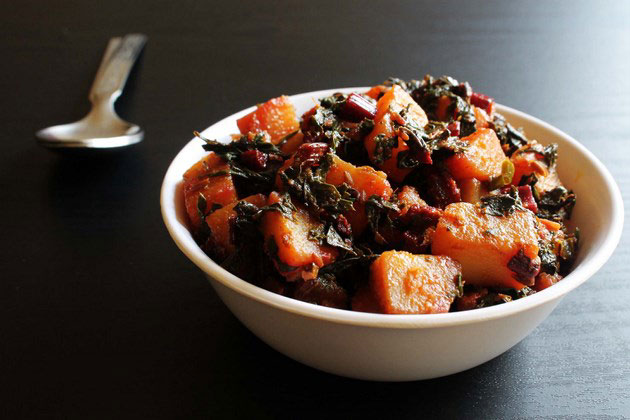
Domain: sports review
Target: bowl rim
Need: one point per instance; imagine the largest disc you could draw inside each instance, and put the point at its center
(584, 271)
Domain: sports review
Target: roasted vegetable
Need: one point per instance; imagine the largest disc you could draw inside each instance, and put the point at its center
(482, 120)
(276, 117)
(408, 198)
(367, 181)
(207, 186)
(414, 197)
(220, 224)
(482, 159)
(403, 283)
(290, 242)
(494, 250)
(395, 109)
(471, 190)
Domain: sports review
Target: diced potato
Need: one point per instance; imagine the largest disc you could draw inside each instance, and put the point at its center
(220, 225)
(389, 108)
(471, 190)
(295, 248)
(404, 283)
(292, 144)
(385, 128)
(366, 180)
(216, 190)
(441, 109)
(482, 120)
(482, 159)
(527, 163)
(276, 116)
(548, 182)
(357, 218)
(485, 244)
(375, 91)
(408, 197)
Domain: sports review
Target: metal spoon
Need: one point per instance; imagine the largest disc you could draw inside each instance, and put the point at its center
(102, 128)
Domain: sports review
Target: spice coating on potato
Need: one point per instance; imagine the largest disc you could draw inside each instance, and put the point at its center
(202, 180)
(408, 197)
(484, 244)
(482, 120)
(220, 225)
(292, 143)
(471, 190)
(277, 117)
(482, 159)
(366, 180)
(291, 235)
(404, 283)
(389, 108)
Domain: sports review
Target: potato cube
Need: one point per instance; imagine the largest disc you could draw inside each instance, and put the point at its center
(404, 283)
(485, 244)
(482, 159)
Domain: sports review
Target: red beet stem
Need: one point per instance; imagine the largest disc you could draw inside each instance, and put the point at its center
(482, 101)
(527, 198)
(358, 107)
(526, 195)
(453, 127)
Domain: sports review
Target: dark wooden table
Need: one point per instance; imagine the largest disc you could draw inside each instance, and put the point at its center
(102, 317)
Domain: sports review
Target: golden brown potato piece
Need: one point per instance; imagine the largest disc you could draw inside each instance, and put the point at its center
(471, 190)
(294, 246)
(482, 120)
(388, 110)
(485, 244)
(202, 180)
(408, 197)
(441, 109)
(404, 283)
(482, 159)
(220, 225)
(276, 117)
(292, 143)
(366, 180)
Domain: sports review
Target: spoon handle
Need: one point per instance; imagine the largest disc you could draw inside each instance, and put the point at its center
(119, 57)
(111, 47)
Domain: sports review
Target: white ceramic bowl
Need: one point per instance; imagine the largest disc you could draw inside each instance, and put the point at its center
(405, 347)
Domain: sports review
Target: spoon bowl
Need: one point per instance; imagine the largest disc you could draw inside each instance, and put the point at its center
(101, 128)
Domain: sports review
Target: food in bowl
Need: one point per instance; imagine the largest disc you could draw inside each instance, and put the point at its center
(411, 198)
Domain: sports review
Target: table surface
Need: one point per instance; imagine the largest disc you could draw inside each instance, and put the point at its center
(102, 316)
